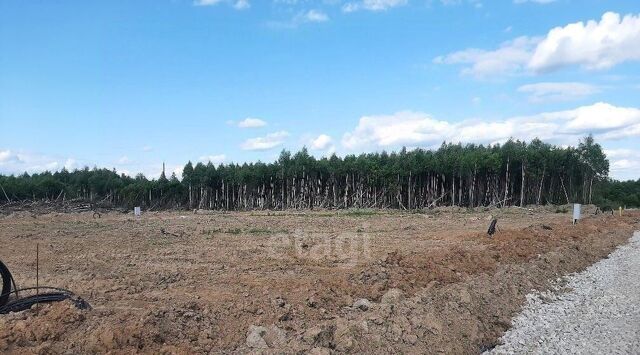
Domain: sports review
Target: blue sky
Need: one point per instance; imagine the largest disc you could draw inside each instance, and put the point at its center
(130, 84)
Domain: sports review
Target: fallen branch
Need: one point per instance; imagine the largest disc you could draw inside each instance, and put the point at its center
(500, 202)
(5, 194)
(432, 204)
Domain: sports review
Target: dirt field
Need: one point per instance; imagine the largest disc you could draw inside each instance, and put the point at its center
(291, 282)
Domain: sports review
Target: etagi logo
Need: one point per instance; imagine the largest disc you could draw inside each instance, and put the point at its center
(344, 249)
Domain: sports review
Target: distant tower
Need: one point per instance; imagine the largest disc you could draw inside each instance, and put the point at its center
(162, 175)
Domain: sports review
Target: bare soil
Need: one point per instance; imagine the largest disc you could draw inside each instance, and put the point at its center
(286, 282)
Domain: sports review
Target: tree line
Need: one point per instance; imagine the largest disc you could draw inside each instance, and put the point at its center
(514, 173)
(614, 194)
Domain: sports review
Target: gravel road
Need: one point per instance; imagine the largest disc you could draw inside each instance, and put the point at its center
(599, 315)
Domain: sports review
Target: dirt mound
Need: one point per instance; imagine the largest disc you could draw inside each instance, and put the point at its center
(241, 282)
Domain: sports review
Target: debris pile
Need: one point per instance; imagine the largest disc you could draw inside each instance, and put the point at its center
(40, 207)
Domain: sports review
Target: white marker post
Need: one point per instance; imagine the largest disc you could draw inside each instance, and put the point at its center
(576, 212)
(136, 211)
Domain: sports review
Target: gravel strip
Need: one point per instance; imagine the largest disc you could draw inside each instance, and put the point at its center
(599, 315)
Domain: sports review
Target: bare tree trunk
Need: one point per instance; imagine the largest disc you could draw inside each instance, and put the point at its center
(409, 191)
(540, 188)
(506, 182)
(522, 187)
(564, 189)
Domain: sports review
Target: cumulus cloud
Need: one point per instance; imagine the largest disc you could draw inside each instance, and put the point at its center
(267, 142)
(624, 164)
(402, 128)
(558, 91)
(592, 45)
(408, 128)
(236, 4)
(510, 58)
(214, 159)
(321, 142)
(250, 122)
(19, 162)
(372, 5)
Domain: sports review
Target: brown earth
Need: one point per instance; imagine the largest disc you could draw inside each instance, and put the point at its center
(278, 282)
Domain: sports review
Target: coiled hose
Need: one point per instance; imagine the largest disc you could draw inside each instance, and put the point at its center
(53, 294)
(7, 281)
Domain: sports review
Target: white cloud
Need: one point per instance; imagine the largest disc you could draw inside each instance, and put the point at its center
(267, 142)
(313, 16)
(147, 148)
(594, 45)
(558, 91)
(20, 162)
(372, 5)
(408, 128)
(402, 128)
(510, 58)
(310, 16)
(321, 142)
(236, 4)
(126, 172)
(177, 171)
(624, 164)
(250, 122)
(214, 159)
(602, 117)
(6, 156)
(70, 164)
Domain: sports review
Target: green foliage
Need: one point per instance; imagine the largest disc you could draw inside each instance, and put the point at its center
(613, 194)
(469, 175)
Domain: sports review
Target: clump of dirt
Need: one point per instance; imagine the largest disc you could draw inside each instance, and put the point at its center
(243, 282)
